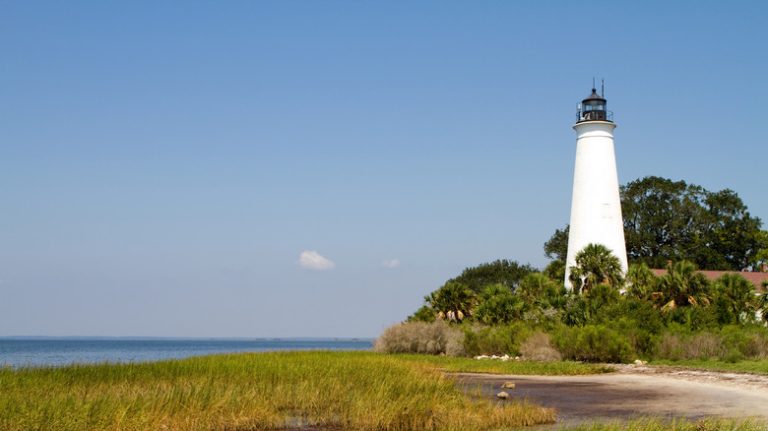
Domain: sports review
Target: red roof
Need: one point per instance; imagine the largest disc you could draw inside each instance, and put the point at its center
(756, 278)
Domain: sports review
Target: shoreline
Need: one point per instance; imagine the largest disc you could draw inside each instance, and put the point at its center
(632, 393)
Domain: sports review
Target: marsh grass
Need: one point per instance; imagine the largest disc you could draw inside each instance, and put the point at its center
(469, 365)
(654, 424)
(259, 391)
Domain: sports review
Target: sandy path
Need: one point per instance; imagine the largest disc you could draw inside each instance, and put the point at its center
(635, 391)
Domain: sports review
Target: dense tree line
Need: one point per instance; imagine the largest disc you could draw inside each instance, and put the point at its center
(667, 220)
(683, 295)
(606, 316)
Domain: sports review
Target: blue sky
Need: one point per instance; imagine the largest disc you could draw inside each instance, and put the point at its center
(163, 165)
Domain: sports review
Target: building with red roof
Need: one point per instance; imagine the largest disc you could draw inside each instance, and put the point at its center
(758, 279)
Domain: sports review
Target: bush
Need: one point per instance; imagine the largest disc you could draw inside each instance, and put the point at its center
(420, 337)
(593, 343)
(730, 343)
(494, 340)
(499, 305)
(693, 318)
(704, 345)
(749, 341)
(538, 347)
(670, 347)
(644, 341)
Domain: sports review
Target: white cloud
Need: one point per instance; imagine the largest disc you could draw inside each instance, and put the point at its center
(311, 259)
(392, 263)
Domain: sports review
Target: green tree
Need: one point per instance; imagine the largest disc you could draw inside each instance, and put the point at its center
(735, 299)
(557, 246)
(595, 264)
(641, 282)
(505, 272)
(498, 305)
(541, 292)
(425, 313)
(762, 303)
(454, 301)
(555, 270)
(761, 257)
(682, 286)
(667, 220)
(672, 220)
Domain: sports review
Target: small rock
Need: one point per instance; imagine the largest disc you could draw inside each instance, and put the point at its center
(508, 385)
(502, 395)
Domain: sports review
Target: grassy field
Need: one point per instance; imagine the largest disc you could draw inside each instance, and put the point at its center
(291, 390)
(340, 390)
(469, 365)
(745, 366)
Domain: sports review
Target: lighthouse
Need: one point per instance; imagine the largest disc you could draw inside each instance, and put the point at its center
(595, 203)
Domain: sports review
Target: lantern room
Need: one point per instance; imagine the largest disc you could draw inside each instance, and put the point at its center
(593, 108)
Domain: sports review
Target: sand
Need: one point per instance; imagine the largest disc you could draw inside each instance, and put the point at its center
(635, 391)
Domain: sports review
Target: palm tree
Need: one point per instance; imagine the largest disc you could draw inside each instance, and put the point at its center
(681, 286)
(595, 264)
(735, 297)
(762, 304)
(641, 282)
(539, 291)
(454, 301)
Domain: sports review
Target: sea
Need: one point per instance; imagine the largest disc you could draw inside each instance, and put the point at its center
(19, 352)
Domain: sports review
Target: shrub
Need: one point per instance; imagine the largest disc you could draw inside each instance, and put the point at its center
(638, 332)
(693, 318)
(749, 341)
(670, 347)
(538, 347)
(499, 305)
(730, 343)
(494, 340)
(733, 356)
(593, 343)
(420, 337)
(704, 345)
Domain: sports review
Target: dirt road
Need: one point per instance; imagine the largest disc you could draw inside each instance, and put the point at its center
(636, 391)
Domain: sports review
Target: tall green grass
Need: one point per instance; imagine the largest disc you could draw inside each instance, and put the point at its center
(469, 365)
(341, 390)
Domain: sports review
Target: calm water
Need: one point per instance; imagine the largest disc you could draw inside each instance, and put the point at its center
(16, 352)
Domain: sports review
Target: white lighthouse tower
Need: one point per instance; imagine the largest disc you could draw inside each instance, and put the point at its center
(595, 205)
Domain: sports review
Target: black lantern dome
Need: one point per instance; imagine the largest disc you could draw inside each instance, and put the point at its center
(593, 108)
